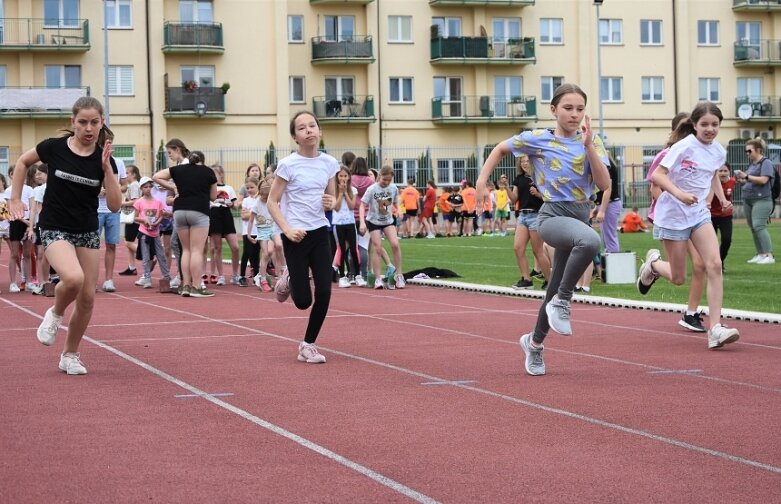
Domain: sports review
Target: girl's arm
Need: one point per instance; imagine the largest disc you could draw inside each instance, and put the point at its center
(329, 198)
(33, 218)
(278, 188)
(362, 210)
(599, 172)
(15, 204)
(661, 179)
(163, 179)
(718, 191)
(110, 181)
(605, 201)
(491, 162)
(349, 198)
(339, 196)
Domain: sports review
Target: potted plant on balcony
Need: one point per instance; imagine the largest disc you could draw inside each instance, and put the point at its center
(189, 86)
(225, 87)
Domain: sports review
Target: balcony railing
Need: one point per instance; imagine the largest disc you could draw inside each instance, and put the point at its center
(37, 34)
(355, 108)
(185, 102)
(762, 108)
(756, 5)
(482, 50)
(38, 101)
(483, 3)
(484, 108)
(757, 52)
(192, 37)
(357, 50)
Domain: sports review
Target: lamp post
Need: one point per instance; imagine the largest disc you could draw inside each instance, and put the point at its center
(106, 106)
(598, 3)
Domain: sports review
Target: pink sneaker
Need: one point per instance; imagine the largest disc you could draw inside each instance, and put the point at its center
(265, 287)
(282, 287)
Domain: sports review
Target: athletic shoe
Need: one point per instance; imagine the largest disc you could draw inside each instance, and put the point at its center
(32, 287)
(585, 290)
(389, 271)
(186, 291)
(523, 284)
(534, 364)
(71, 364)
(344, 283)
(400, 282)
(220, 280)
(768, 259)
(359, 281)
(175, 282)
(147, 284)
(264, 286)
(647, 275)
(754, 259)
(13, 288)
(536, 274)
(430, 236)
(50, 324)
(544, 285)
(282, 287)
(243, 282)
(236, 280)
(200, 292)
(142, 281)
(307, 352)
(213, 279)
(378, 284)
(36, 289)
(720, 335)
(128, 272)
(108, 286)
(558, 311)
(256, 280)
(352, 279)
(692, 322)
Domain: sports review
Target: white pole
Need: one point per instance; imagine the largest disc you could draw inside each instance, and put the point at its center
(599, 80)
(105, 64)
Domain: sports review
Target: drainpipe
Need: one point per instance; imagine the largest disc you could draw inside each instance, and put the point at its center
(675, 62)
(378, 103)
(149, 86)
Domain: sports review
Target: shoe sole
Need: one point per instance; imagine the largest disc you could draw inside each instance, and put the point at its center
(643, 288)
(518, 288)
(44, 340)
(71, 374)
(719, 344)
(690, 327)
(304, 359)
(548, 310)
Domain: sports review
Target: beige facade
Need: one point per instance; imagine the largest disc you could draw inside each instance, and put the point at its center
(378, 74)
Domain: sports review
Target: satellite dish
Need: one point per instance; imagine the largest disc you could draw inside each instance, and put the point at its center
(745, 111)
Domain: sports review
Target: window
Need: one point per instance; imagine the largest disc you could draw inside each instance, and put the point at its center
(404, 169)
(202, 75)
(652, 89)
(551, 31)
(401, 91)
(750, 87)
(399, 29)
(448, 89)
(2, 76)
(447, 26)
(709, 89)
(650, 32)
(611, 31)
(295, 28)
(451, 171)
(339, 28)
(62, 76)
(124, 152)
(120, 81)
(549, 85)
(507, 90)
(61, 13)
(296, 92)
(196, 11)
(708, 33)
(610, 89)
(505, 30)
(749, 35)
(339, 88)
(119, 13)
(4, 162)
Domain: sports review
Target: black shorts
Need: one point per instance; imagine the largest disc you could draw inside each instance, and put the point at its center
(412, 213)
(221, 222)
(167, 226)
(37, 236)
(17, 230)
(131, 232)
(370, 226)
(468, 215)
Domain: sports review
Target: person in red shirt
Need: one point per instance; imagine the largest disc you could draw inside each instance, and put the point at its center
(633, 223)
(722, 219)
(429, 202)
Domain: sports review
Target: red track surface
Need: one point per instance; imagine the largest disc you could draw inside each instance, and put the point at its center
(424, 396)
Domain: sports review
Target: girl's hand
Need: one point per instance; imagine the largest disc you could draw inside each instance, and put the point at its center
(328, 202)
(726, 204)
(15, 209)
(107, 152)
(362, 229)
(30, 233)
(587, 131)
(687, 198)
(482, 192)
(252, 240)
(295, 235)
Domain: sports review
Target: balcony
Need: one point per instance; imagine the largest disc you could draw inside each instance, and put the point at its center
(340, 2)
(756, 5)
(356, 51)
(484, 109)
(192, 38)
(202, 101)
(39, 102)
(761, 108)
(757, 53)
(31, 34)
(481, 3)
(482, 51)
(349, 109)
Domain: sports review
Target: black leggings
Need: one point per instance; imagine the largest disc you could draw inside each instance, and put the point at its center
(250, 253)
(346, 235)
(311, 253)
(723, 225)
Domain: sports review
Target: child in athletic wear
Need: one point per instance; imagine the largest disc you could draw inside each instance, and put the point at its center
(344, 222)
(250, 250)
(264, 234)
(149, 214)
(302, 191)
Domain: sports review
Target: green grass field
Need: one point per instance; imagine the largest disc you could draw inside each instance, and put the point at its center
(490, 260)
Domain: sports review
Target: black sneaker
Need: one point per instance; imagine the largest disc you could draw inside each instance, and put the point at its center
(128, 272)
(692, 322)
(523, 284)
(536, 274)
(544, 285)
(243, 282)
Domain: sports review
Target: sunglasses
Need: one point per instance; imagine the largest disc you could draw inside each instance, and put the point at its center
(749, 151)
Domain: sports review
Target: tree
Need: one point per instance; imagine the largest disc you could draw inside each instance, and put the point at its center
(271, 155)
(161, 162)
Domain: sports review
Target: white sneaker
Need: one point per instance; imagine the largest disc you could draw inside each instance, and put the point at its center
(754, 259)
(147, 284)
(71, 364)
(221, 280)
(719, 335)
(13, 288)
(767, 259)
(359, 281)
(142, 281)
(344, 283)
(108, 286)
(175, 283)
(378, 284)
(308, 353)
(256, 280)
(558, 311)
(47, 331)
(236, 280)
(282, 287)
(400, 282)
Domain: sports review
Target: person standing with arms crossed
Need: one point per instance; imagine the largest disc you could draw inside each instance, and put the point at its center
(80, 164)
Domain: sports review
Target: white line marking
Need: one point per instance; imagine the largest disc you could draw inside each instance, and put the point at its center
(216, 394)
(453, 382)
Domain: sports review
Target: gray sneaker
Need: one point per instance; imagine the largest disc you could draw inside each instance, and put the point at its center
(558, 315)
(534, 364)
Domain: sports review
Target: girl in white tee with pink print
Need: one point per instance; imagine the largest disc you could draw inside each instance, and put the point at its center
(687, 174)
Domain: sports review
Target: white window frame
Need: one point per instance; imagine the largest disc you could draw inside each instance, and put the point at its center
(61, 21)
(751, 88)
(290, 30)
(341, 90)
(655, 86)
(341, 31)
(4, 155)
(200, 74)
(398, 83)
(292, 91)
(704, 28)
(652, 27)
(115, 22)
(62, 69)
(611, 31)
(504, 94)
(548, 29)
(709, 89)
(455, 103)
(126, 159)
(447, 25)
(397, 23)
(446, 169)
(3, 75)
(195, 10)
(548, 85)
(614, 84)
(124, 80)
(403, 169)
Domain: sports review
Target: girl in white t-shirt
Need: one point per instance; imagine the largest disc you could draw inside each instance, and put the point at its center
(250, 250)
(303, 190)
(18, 235)
(33, 232)
(687, 174)
(344, 224)
(270, 246)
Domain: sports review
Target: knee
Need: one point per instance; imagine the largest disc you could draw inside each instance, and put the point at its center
(110, 247)
(698, 265)
(713, 266)
(86, 301)
(73, 280)
(678, 278)
(591, 244)
(302, 302)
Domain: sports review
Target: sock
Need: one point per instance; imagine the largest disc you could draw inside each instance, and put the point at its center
(691, 313)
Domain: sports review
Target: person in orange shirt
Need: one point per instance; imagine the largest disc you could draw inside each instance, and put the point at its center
(633, 223)
(409, 197)
(487, 226)
(469, 210)
(445, 208)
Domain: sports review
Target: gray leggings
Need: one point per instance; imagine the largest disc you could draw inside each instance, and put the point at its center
(564, 226)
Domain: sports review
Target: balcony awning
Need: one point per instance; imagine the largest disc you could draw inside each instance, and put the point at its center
(41, 98)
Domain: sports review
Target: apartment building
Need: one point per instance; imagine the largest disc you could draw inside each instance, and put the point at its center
(426, 84)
